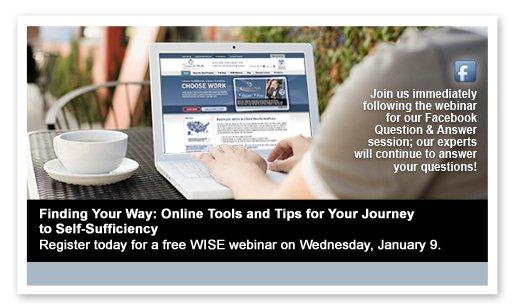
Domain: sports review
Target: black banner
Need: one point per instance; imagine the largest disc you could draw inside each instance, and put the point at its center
(339, 230)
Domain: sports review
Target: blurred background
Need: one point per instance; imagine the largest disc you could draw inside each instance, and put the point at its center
(94, 77)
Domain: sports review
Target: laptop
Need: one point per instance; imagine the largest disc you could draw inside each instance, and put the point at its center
(208, 94)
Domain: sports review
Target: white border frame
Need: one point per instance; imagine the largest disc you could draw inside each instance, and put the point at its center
(491, 22)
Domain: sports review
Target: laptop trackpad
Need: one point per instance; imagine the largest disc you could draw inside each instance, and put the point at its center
(276, 176)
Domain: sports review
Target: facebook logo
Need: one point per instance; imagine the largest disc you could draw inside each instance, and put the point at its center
(465, 71)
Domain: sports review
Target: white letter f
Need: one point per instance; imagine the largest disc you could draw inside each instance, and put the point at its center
(463, 72)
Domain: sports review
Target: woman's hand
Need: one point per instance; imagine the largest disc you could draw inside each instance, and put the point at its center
(288, 153)
(230, 165)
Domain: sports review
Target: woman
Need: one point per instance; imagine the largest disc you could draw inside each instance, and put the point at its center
(327, 168)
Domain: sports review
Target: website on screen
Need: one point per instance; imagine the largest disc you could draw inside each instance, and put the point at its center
(251, 100)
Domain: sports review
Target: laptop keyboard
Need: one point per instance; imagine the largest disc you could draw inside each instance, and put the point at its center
(191, 169)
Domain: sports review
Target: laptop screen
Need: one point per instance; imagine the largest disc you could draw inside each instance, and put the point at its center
(248, 99)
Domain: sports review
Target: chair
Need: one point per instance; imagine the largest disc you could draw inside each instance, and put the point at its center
(113, 105)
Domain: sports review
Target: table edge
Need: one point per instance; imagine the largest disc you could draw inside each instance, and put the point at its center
(32, 189)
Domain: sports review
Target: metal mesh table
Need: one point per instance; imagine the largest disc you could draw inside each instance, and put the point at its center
(146, 183)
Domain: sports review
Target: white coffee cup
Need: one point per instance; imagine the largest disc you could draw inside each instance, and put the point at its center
(91, 151)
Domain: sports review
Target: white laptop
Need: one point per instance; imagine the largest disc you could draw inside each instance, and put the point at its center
(208, 94)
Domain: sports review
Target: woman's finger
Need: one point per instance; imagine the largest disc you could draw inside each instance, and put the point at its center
(282, 146)
(215, 151)
(282, 165)
(204, 158)
(285, 154)
(226, 148)
(240, 149)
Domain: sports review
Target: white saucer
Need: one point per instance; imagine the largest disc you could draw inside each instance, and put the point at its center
(56, 171)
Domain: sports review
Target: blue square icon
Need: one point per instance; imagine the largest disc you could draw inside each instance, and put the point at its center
(465, 71)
